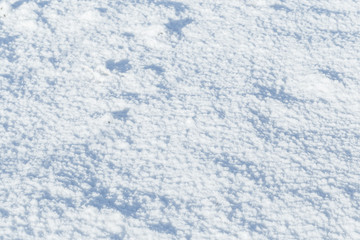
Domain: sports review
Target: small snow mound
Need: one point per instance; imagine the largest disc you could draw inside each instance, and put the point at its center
(314, 86)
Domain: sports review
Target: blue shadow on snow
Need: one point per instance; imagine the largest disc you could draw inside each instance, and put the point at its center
(279, 7)
(331, 74)
(120, 66)
(176, 26)
(178, 6)
(121, 115)
(159, 70)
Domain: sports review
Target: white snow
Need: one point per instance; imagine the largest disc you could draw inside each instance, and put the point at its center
(192, 119)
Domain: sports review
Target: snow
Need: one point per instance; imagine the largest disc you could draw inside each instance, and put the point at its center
(157, 119)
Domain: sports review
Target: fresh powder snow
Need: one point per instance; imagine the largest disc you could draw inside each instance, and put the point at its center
(179, 119)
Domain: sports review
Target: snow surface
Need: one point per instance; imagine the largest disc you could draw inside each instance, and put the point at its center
(192, 119)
